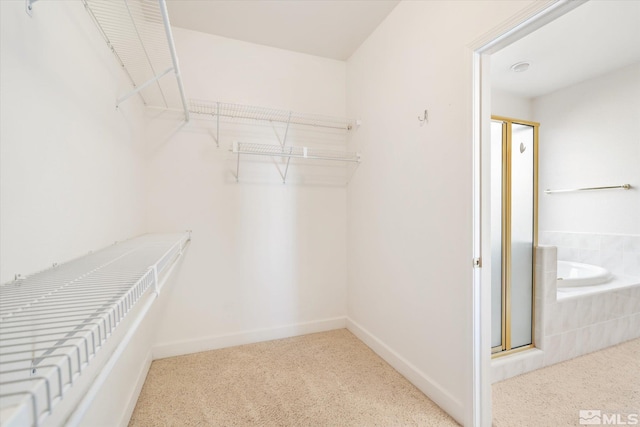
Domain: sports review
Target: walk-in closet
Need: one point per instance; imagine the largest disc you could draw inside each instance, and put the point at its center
(267, 211)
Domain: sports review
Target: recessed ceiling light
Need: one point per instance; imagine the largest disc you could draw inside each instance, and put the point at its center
(520, 67)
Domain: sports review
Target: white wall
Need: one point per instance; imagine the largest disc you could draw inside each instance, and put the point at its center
(589, 138)
(267, 259)
(409, 206)
(70, 165)
(506, 104)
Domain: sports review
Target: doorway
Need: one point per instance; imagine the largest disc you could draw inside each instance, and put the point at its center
(536, 17)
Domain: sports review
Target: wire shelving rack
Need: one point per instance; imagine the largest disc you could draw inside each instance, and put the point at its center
(248, 114)
(54, 323)
(290, 152)
(139, 34)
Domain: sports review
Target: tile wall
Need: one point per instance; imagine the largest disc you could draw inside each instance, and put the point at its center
(618, 253)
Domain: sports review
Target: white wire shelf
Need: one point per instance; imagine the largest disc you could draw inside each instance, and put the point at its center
(294, 152)
(248, 114)
(289, 152)
(53, 323)
(139, 34)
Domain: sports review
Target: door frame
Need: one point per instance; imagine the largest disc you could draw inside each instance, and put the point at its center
(530, 19)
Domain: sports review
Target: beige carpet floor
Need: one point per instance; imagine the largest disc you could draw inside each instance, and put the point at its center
(607, 380)
(324, 379)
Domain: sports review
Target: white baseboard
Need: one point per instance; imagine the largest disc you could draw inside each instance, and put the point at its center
(178, 348)
(135, 393)
(428, 386)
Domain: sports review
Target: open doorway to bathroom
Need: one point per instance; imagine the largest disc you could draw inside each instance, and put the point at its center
(588, 102)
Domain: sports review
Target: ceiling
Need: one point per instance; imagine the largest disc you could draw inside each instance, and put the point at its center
(327, 28)
(593, 39)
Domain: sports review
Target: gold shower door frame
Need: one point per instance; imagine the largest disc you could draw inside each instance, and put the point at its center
(507, 123)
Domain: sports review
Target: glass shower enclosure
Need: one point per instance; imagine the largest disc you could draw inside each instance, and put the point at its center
(514, 166)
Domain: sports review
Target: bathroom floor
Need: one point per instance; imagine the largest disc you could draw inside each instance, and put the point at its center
(602, 384)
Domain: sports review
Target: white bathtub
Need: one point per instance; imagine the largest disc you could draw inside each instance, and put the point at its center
(572, 274)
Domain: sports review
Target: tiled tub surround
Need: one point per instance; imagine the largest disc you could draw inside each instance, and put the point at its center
(568, 324)
(618, 253)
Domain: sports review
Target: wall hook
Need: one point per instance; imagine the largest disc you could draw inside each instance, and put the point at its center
(29, 7)
(424, 119)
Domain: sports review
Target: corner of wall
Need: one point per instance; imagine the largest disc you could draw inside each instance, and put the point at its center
(421, 380)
